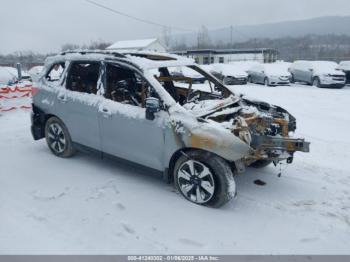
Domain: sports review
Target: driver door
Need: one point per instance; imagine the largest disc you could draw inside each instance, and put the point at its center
(125, 131)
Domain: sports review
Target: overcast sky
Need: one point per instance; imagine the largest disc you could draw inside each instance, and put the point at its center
(44, 25)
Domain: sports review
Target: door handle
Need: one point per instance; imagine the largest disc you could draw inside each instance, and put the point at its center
(62, 98)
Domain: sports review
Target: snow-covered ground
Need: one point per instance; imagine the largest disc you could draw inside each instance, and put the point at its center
(86, 205)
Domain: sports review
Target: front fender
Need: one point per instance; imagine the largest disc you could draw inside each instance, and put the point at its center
(212, 138)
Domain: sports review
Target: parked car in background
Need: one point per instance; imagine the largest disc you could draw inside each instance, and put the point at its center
(35, 72)
(317, 73)
(187, 72)
(229, 74)
(245, 65)
(345, 67)
(269, 74)
(120, 106)
(7, 75)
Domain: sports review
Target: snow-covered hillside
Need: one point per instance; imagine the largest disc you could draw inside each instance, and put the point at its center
(86, 205)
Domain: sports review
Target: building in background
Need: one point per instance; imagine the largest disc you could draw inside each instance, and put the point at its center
(211, 56)
(139, 45)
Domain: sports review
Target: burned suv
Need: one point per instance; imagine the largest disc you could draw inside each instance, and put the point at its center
(131, 107)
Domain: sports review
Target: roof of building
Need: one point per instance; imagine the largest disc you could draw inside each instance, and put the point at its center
(225, 51)
(141, 59)
(133, 44)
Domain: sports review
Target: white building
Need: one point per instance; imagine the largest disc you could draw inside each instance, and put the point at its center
(139, 45)
(211, 56)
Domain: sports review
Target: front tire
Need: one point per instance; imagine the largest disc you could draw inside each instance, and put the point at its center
(204, 179)
(316, 82)
(292, 79)
(266, 82)
(58, 138)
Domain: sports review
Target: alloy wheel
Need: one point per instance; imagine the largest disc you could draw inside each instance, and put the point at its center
(56, 137)
(196, 181)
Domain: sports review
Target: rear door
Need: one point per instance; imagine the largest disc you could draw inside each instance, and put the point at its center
(125, 131)
(78, 102)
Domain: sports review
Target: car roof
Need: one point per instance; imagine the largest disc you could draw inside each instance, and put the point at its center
(142, 60)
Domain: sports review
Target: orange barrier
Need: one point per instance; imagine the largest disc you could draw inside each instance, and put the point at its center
(23, 91)
(7, 90)
(14, 108)
(28, 94)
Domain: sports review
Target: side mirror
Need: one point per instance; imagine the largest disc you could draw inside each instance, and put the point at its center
(311, 70)
(152, 107)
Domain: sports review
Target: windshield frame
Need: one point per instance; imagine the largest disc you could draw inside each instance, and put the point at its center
(213, 81)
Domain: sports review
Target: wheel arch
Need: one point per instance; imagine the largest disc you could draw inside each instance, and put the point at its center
(180, 152)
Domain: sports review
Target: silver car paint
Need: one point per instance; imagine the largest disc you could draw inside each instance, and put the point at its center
(150, 143)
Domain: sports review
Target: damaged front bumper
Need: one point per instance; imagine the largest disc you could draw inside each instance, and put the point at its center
(277, 148)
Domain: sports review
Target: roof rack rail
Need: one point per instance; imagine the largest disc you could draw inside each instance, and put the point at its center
(102, 52)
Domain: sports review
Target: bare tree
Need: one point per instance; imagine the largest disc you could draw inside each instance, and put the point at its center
(167, 37)
(203, 38)
(69, 46)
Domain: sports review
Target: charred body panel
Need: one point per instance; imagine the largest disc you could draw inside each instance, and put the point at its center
(238, 129)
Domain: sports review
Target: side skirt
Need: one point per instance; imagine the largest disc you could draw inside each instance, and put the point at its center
(121, 161)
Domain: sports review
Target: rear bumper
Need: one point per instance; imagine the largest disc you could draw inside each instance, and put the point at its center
(37, 128)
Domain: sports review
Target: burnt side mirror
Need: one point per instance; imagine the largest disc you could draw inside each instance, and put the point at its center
(152, 107)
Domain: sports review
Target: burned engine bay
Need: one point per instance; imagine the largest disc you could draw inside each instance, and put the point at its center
(267, 129)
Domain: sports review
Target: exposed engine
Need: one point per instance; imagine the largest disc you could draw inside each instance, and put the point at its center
(264, 127)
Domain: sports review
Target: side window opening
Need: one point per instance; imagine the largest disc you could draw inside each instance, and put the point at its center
(126, 86)
(83, 77)
(55, 72)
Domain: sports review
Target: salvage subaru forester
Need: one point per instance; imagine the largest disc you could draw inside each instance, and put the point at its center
(132, 107)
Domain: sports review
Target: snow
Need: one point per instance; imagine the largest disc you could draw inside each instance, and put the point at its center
(276, 69)
(86, 205)
(325, 67)
(132, 44)
(7, 74)
(245, 65)
(318, 67)
(229, 70)
(186, 71)
(344, 65)
(35, 72)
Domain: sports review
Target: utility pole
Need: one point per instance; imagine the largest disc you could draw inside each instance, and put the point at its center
(231, 31)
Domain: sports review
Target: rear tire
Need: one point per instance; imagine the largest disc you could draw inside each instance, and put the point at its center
(261, 163)
(58, 138)
(292, 79)
(204, 179)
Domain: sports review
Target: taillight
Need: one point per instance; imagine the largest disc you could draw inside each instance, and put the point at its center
(35, 90)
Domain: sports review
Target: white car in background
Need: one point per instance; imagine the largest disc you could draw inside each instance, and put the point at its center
(345, 67)
(229, 74)
(318, 73)
(269, 74)
(189, 73)
(7, 75)
(35, 72)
